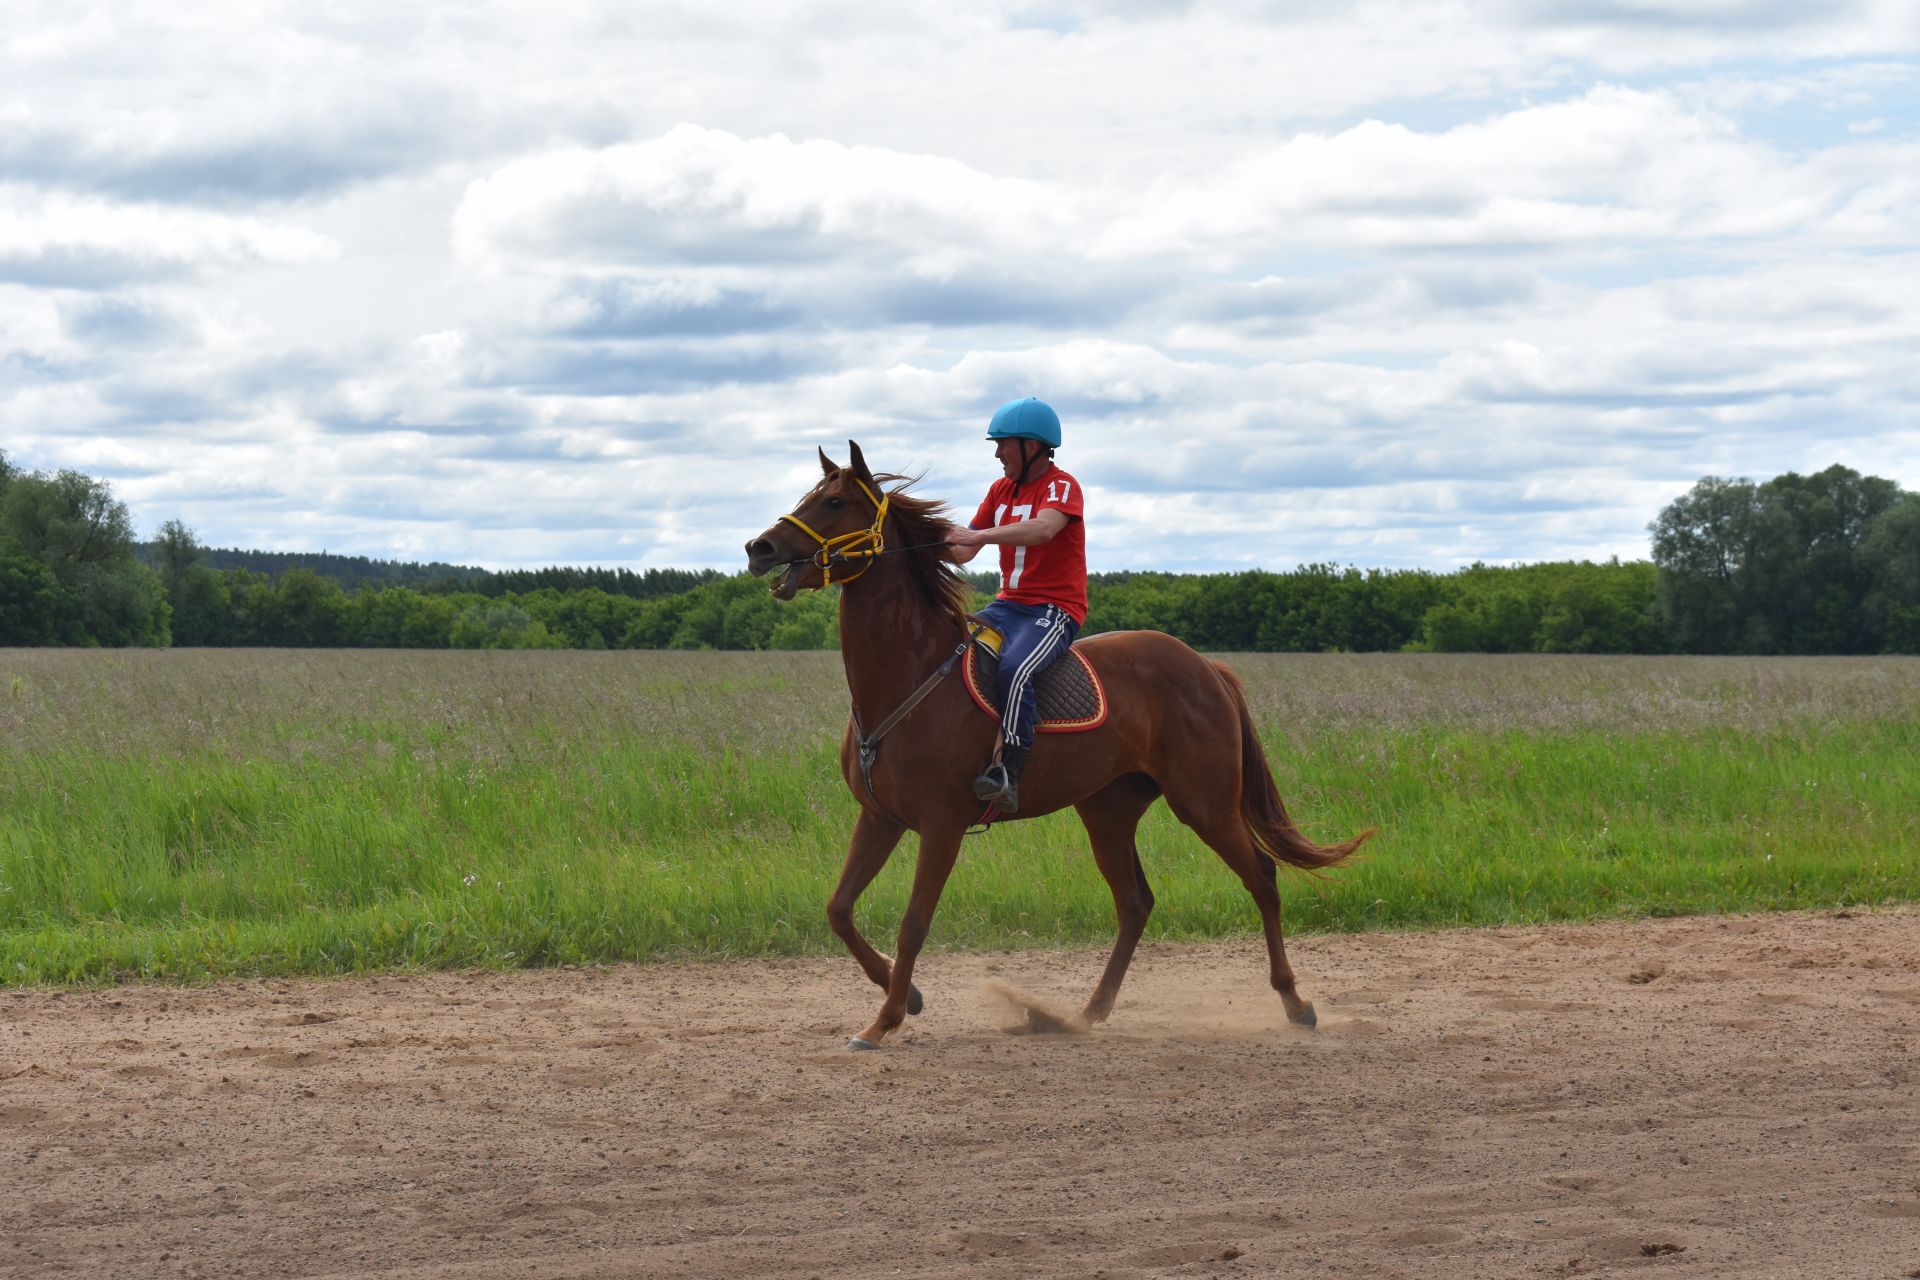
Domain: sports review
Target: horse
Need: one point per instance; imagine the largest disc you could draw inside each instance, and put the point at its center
(1178, 728)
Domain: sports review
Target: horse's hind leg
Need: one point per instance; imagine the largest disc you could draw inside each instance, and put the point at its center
(874, 838)
(1230, 838)
(1267, 896)
(1112, 816)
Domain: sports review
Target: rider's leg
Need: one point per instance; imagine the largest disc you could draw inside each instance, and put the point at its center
(1032, 637)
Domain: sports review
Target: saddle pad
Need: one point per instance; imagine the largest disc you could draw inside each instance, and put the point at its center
(1071, 696)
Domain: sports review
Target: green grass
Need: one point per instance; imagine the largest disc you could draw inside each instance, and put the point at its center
(185, 815)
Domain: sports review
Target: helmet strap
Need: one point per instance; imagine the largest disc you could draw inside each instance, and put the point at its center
(1026, 460)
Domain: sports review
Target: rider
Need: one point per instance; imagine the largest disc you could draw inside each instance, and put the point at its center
(1032, 513)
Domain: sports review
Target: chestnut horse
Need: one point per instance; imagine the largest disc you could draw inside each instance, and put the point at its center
(1177, 726)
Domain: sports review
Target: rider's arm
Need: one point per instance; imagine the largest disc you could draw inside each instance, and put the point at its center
(1027, 533)
(1024, 533)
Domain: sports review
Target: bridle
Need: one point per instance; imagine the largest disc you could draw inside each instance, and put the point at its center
(868, 544)
(861, 544)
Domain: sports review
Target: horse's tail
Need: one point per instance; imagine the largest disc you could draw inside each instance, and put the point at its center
(1260, 804)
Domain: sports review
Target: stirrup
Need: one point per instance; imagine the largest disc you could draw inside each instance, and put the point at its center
(998, 788)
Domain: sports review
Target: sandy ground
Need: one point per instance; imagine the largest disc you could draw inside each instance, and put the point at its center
(1720, 1097)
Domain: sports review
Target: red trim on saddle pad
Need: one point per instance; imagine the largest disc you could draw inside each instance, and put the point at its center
(1050, 681)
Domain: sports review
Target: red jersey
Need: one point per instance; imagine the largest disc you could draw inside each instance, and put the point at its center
(1054, 572)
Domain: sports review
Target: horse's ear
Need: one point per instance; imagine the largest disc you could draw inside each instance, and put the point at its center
(827, 465)
(860, 464)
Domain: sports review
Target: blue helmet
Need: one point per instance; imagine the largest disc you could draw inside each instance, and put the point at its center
(1028, 419)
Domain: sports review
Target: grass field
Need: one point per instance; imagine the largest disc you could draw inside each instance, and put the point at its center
(183, 814)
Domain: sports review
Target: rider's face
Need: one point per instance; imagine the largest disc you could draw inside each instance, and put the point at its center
(1009, 453)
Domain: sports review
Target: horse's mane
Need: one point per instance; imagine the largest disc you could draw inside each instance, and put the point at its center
(920, 522)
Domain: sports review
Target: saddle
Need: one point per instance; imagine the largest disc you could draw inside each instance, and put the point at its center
(1071, 696)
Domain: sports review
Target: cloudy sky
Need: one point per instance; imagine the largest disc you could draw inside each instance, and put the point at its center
(515, 284)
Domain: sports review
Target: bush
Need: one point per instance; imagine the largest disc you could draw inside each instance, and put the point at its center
(499, 625)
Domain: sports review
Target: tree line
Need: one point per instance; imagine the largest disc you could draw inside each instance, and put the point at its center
(356, 573)
(1826, 563)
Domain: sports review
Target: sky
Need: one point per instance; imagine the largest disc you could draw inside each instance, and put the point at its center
(1395, 284)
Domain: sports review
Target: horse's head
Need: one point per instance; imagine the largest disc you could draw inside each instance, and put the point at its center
(825, 532)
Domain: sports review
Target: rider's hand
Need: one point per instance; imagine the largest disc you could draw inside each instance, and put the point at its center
(963, 543)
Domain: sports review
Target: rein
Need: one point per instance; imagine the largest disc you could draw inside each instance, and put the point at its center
(868, 556)
(831, 556)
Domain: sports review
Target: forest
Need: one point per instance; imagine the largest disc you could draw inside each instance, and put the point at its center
(1827, 563)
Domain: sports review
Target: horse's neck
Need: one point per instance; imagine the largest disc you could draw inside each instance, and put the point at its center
(891, 639)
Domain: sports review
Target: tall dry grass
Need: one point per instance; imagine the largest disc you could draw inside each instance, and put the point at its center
(177, 814)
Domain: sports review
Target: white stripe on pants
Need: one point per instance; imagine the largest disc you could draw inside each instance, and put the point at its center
(1023, 675)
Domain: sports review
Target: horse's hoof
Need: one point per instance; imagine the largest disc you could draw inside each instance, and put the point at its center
(1305, 1018)
(914, 1003)
(860, 1044)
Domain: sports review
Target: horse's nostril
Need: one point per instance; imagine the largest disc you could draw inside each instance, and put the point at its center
(759, 547)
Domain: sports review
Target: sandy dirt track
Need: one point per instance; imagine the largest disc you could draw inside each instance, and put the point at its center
(1714, 1097)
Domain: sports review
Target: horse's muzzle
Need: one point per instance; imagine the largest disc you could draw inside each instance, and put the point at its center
(763, 557)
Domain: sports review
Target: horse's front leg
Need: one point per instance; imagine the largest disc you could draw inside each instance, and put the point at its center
(874, 838)
(939, 850)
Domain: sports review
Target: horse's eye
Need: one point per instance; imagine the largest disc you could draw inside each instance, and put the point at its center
(834, 504)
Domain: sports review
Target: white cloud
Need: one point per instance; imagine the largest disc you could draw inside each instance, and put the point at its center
(1410, 283)
(704, 197)
(59, 240)
(1613, 167)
